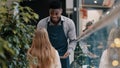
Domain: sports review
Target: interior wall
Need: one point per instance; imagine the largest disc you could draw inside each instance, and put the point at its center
(92, 15)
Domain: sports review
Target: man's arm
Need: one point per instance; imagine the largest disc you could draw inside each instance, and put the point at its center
(72, 37)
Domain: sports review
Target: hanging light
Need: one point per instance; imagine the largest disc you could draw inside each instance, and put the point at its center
(115, 62)
(95, 1)
(117, 42)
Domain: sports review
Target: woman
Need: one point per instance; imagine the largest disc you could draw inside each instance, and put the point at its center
(111, 56)
(42, 54)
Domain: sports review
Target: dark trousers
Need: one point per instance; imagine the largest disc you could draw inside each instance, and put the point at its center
(65, 63)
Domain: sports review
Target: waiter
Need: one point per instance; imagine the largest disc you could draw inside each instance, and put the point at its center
(61, 31)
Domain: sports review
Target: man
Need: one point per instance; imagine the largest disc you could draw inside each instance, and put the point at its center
(61, 31)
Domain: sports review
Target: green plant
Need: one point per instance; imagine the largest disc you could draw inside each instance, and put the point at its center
(15, 34)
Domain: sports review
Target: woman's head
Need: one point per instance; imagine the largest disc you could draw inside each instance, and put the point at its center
(41, 39)
(42, 48)
(114, 37)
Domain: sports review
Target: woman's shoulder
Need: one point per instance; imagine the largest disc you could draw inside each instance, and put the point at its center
(56, 51)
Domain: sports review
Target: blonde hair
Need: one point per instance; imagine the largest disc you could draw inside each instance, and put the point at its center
(42, 49)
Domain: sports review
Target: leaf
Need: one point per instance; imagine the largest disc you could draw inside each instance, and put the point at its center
(28, 15)
(26, 19)
(28, 9)
(6, 47)
(2, 55)
(36, 16)
(3, 10)
(26, 46)
(14, 31)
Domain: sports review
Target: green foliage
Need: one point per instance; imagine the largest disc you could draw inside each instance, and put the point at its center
(15, 34)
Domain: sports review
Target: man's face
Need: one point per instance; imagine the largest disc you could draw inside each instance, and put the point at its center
(55, 14)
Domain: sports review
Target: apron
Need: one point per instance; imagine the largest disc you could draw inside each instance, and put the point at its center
(59, 41)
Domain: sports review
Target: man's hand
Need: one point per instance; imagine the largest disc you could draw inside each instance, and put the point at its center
(65, 55)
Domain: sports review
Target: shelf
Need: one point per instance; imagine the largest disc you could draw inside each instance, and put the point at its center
(95, 6)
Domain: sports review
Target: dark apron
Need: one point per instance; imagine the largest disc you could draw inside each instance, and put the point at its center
(59, 41)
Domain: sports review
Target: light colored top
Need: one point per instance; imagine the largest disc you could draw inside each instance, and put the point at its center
(57, 62)
(104, 60)
(34, 60)
(68, 27)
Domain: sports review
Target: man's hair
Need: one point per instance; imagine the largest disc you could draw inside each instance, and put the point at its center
(56, 4)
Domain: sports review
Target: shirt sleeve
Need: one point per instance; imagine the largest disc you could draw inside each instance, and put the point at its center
(103, 60)
(42, 23)
(71, 36)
